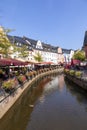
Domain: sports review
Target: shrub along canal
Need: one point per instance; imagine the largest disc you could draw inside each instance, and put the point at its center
(50, 104)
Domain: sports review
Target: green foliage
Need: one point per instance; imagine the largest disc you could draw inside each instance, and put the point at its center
(66, 71)
(38, 57)
(23, 51)
(8, 84)
(21, 78)
(5, 44)
(72, 72)
(16, 49)
(79, 55)
(78, 73)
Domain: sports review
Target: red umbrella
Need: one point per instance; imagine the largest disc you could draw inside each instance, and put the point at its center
(4, 62)
(9, 61)
(17, 62)
(75, 62)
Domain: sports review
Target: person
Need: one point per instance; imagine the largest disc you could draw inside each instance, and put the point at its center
(10, 70)
(5, 76)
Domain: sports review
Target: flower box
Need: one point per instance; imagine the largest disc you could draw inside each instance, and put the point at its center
(21, 79)
(10, 84)
(78, 74)
(72, 72)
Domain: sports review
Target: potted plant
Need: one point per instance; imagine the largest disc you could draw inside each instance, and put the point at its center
(72, 72)
(78, 74)
(9, 85)
(66, 71)
(21, 79)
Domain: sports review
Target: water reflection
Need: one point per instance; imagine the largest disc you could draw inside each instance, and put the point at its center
(78, 93)
(58, 108)
(50, 104)
(19, 115)
(61, 83)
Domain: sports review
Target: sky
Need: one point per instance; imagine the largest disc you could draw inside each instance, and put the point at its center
(57, 22)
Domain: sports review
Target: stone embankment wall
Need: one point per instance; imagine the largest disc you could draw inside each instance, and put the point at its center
(78, 81)
(10, 100)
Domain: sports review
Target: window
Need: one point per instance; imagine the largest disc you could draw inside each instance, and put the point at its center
(14, 57)
(17, 44)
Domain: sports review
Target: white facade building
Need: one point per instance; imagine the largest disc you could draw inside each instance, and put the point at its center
(68, 54)
(49, 53)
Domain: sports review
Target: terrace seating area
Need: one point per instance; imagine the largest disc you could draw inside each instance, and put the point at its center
(14, 74)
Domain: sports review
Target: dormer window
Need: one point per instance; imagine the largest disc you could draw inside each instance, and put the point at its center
(28, 42)
(19, 44)
(39, 45)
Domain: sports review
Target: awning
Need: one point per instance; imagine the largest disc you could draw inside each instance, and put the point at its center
(32, 62)
(4, 62)
(9, 62)
(75, 62)
(46, 63)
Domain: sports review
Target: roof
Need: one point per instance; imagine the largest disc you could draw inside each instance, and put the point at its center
(74, 62)
(49, 47)
(30, 40)
(11, 38)
(16, 39)
(20, 40)
(32, 43)
(67, 51)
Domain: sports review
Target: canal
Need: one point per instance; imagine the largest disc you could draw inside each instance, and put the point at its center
(51, 103)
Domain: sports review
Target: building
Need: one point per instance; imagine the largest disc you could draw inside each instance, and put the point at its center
(60, 55)
(68, 54)
(85, 44)
(48, 52)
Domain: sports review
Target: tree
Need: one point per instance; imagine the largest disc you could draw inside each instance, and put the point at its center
(5, 44)
(38, 57)
(23, 51)
(79, 55)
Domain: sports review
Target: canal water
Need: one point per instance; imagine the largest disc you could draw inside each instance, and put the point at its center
(51, 103)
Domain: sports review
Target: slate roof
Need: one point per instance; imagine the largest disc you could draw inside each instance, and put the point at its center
(15, 39)
(11, 38)
(49, 47)
(66, 51)
(20, 40)
(32, 43)
(45, 46)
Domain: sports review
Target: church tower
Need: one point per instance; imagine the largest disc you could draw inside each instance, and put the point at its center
(85, 44)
